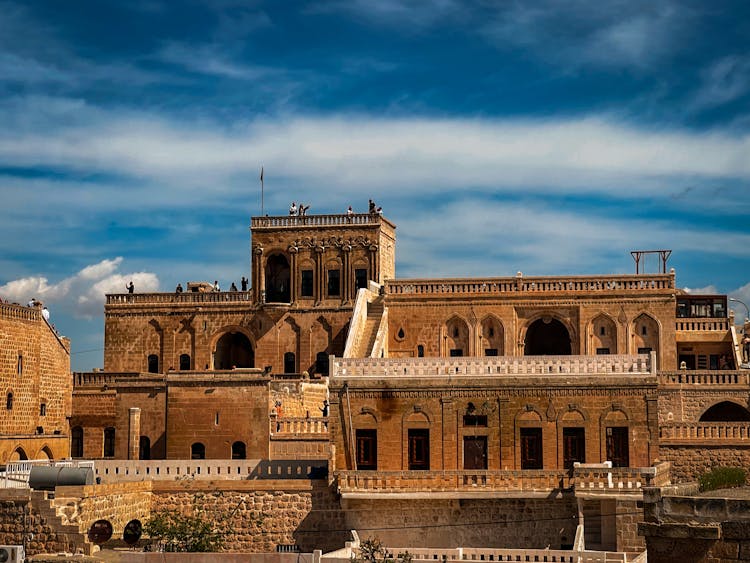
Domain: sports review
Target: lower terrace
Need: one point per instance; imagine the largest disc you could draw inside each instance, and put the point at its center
(583, 480)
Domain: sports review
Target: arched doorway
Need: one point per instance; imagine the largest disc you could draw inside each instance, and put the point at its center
(277, 279)
(144, 447)
(726, 411)
(547, 337)
(233, 350)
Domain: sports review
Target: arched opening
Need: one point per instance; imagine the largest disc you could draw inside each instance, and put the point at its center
(144, 447)
(184, 362)
(726, 411)
(645, 334)
(9, 401)
(492, 337)
(456, 337)
(233, 350)
(18, 455)
(239, 450)
(290, 362)
(153, 363)
(109, 442)
(321, 363)
(277, 279)
(547, 337)
(197, 451)
(76, 442)
(603, 336)
(418, 441)
(45, 453)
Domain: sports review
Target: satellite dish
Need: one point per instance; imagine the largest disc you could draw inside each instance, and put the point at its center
(100, 532)
(132, 532)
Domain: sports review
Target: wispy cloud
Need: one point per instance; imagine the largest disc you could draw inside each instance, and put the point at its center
(722, 82)
(81, 294)
(620, 34)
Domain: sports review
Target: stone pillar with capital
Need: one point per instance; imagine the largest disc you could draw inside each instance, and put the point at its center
(259, 282)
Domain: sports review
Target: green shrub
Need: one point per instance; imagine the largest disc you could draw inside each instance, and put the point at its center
(723, 478)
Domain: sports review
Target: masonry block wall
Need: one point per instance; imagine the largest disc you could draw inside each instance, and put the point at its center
(474, 322)
(36, 383)
(492, 414)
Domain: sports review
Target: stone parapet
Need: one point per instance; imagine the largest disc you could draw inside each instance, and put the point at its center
(494, 366)
(618, 284)
(708, 433)
(724, 378)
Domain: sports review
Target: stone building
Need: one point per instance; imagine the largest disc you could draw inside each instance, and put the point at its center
(202, 363)
(35, 375)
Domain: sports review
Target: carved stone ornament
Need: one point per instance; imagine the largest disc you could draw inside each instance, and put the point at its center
(551, 413)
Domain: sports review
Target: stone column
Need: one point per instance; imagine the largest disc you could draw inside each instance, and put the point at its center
(450, 435)
(320, 281)
(134, 432)
(293, 274)
(259, 282)
(345, 274)
(506, 431)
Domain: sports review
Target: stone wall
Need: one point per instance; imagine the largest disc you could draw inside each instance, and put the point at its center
(35, 371)
(695, 529)
(493, 411)
(501, 522)
(689, 462)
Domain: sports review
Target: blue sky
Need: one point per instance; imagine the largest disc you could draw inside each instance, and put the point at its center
(543, 136)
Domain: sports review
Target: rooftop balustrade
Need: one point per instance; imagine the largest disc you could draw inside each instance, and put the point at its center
(187, 297)
(586, 479)
(707, 378)
(288, 427)
(329, 220)
(533, 285)
(494, 366)
(20, 312)
(702, 325)
(719, 433)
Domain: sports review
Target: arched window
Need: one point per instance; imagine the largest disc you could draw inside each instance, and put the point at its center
(197, 451)
(76, 442)
(19, 365)
(9, 401)
(277, 279)
(144, 447)
(109, 442)
(238, 450)
(290, 363)
(184, 362)
(321, 363)
(153, 363)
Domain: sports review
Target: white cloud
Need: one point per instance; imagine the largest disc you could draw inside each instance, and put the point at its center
(594, 154)
(81, 294)
(743, 294)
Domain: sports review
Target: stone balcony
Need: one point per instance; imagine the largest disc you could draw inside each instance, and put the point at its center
(586, 480)
(718, 378)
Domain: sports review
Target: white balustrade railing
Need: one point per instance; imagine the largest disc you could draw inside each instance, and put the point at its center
(16, 474)
(494, 366)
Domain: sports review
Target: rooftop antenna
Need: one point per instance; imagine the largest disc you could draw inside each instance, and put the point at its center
(639, 254)
(262, 206)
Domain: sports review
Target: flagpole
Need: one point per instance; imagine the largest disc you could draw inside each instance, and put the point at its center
(262, 206)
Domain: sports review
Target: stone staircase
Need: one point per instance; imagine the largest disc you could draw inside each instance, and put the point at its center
(372, 324)
(60, 516)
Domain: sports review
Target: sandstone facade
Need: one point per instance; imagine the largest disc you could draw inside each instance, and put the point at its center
(35, 377)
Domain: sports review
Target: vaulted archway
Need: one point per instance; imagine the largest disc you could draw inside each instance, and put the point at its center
(726, 411)
(234, 350)
(547, 337)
